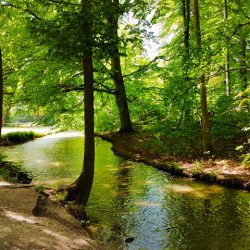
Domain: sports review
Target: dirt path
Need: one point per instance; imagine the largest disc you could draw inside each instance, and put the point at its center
(54, 228)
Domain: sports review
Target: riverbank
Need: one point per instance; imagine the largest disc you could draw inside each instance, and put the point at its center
(145, 148)
(30, 220)
(12, 136)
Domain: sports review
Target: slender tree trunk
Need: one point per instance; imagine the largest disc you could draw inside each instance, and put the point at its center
(186, 19)
(243, 63)
(227, 65)
(121, 98)
(1, 93)
(207, 142)
(82, 187)
(186, 111)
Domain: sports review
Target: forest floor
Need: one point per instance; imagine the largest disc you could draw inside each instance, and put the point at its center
(33, 221)
(168, 154)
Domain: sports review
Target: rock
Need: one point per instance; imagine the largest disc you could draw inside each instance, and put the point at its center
(40, 206)
(129, 239)
(24, 178)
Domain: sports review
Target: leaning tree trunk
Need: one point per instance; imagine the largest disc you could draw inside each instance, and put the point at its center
(207, 142)
(81, 189)
(1, 93)
(121, 97)
(227, 65)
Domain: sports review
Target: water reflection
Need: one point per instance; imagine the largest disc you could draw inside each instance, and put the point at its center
(129, 200)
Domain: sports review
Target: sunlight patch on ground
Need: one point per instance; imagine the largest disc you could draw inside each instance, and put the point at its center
(18, 217)
(4, 184)
(66, 134)
(64, 241)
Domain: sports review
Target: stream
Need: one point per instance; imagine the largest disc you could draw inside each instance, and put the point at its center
(135, 206)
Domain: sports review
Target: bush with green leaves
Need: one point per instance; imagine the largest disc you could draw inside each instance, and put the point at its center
(19, 137)
(2, 157)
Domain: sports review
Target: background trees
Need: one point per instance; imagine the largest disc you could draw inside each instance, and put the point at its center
(43, 53)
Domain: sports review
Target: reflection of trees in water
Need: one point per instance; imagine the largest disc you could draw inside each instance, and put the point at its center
(121, 203)
(214, 222)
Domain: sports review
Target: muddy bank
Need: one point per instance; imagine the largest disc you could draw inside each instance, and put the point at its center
(32, 221)
(215, 170)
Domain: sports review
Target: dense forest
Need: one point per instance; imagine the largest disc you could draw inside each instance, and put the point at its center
(178, 70)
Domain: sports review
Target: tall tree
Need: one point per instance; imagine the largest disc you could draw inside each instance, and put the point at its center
(186, 20)
(207, 142)
(121, 97)
(1, 93)
(243, 62)
(227, 65)
(82, 187)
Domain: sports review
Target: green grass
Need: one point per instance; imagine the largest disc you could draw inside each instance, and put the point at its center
(20, 137)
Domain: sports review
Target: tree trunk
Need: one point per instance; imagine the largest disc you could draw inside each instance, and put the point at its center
(186, 63)
(207, 142)
(227, 65)
(121, 97)
(186, 19)
(1, 93)
(243, 63)
(81, 189)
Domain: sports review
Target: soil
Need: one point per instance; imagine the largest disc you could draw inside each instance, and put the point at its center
(27, 223)
(142, 147)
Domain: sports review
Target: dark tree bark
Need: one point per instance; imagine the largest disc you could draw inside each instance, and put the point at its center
(121, 97)
(227, 65)
(1, 93)
(207, 142)
(186, 19)
(81, 189)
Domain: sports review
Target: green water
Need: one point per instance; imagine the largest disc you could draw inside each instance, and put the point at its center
(129, 199)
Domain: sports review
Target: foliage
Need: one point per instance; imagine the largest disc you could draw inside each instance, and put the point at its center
(39, 188)
(15, 172)
(197, 168)
(19, 137)
(246, 160)
(43, 77)
(2, 157)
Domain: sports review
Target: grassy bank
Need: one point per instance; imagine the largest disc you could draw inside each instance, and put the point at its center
(182, 157)
(19, 137)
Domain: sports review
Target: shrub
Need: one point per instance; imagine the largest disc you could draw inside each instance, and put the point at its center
(19, 137)
(2, 157)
